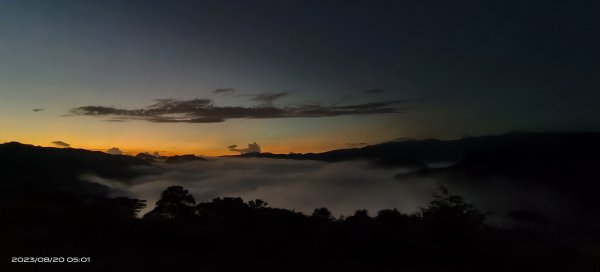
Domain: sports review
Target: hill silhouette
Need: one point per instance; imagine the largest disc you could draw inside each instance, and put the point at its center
(490, 150)
(184, 158)
(146, 156)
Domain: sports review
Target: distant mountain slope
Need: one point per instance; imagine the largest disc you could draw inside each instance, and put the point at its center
(46, 169)
(146, 157)
(15, 157)
(426, 151)
(539, 155)
(535, 154)
(184, 158)
(392, 153)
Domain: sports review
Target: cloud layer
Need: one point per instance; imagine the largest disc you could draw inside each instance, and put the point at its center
(344, 187)
(204, 111)
(298, 185)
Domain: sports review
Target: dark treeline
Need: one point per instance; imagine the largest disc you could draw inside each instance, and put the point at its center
(228, 234)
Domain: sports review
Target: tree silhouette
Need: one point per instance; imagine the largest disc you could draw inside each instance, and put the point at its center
(222, 208)
(452, 213)
(360, 217)
(257, 204)
(323, 213)
(119, 207)
(175, 203)
(391, 217)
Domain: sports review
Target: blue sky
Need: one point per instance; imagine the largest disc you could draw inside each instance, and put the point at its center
(458, 68)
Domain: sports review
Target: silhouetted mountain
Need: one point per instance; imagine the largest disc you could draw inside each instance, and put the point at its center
(547, 156)
(58, 179)
(556, 159)
(55, 166)
(184, 158)
(146, 157)
(406, 153)
(525, 151)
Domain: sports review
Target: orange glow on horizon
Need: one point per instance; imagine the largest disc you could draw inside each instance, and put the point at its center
(179, 139)
(306, 147)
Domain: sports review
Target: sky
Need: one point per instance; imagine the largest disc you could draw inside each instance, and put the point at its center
(295, 76)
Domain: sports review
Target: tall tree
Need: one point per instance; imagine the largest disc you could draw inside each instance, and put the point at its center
(175, 203)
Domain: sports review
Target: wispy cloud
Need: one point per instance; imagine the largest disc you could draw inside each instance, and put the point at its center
(252, 147)
(204, 111)
(268, 98)
(61, 144)
(224, 91)
(114, 151)
(37, 110)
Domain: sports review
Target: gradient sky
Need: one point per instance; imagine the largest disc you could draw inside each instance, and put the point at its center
(445, 68)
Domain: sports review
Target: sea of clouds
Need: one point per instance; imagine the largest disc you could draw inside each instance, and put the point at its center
(342, 187)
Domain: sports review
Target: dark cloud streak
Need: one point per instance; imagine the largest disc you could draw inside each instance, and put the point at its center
(224, 91)
(204, 111)
(268, 98)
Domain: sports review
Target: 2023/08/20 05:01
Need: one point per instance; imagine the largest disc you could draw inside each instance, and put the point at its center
(51, 259)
